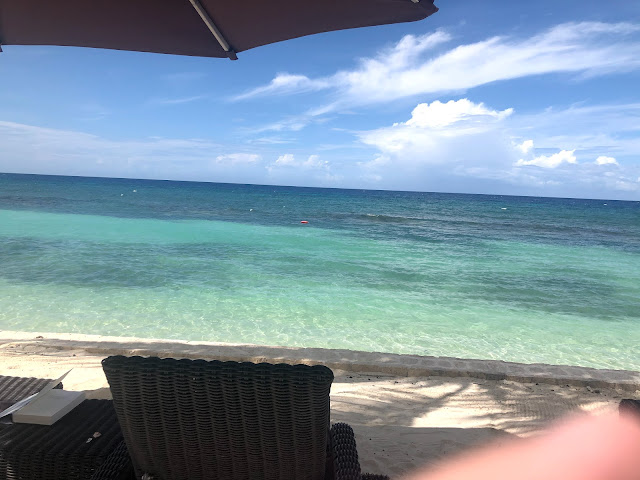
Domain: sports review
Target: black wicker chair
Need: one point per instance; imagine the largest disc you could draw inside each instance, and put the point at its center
(13, 389)
(197, 419)
(42, 452)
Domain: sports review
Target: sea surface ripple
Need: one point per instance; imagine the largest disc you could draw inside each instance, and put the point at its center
(534, 280)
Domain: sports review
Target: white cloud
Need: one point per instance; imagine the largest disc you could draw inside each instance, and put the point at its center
(314, 162)
(270, 140)
(526, 146)
(409, 68)
(610, 130)
(408, 49)
(627, 186)
(32, 149)
(286, 159)
(289, 160)
(458, 145)
(289, 170)
(34, 143)
(469, 147)
(286, 83)
(238, 159)
(438, 114)
(292, 124)
(604, 160)
(550, 161)
(434, 129)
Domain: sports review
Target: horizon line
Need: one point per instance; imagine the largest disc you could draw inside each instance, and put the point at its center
(317, 188)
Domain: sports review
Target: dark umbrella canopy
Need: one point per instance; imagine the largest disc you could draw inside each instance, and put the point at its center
(188, 27)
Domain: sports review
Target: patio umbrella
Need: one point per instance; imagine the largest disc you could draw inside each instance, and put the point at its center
(207, 28)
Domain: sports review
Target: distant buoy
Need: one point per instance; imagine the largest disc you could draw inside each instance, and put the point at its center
(303, 221)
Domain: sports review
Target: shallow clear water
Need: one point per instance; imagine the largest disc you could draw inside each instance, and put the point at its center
(513, 278)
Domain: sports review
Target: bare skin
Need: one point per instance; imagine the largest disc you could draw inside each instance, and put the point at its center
(587, 448)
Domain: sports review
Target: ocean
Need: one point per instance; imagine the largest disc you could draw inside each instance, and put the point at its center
(524, 279)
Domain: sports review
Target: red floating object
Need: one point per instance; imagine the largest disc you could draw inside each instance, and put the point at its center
(303, 221)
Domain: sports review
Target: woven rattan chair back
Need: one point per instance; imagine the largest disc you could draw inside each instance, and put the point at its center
(13, 389)
(196, 419)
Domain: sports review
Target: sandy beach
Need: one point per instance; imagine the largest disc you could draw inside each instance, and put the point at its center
(401, 420)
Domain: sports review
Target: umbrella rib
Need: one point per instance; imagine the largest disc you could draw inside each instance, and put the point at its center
(212, 27)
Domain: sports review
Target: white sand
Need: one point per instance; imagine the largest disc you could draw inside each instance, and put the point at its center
(400, 422)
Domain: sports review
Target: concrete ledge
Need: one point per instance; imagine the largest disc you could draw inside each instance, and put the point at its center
(353, 361)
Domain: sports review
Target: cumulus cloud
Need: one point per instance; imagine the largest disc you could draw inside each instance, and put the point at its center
(457, 145)
(438, 114)
(434, 129)
(470, 147)
(550, 161)
(604, 160)
(608, 130)
(410, 68)
(314, 162)
(286, 159)
(526, 146)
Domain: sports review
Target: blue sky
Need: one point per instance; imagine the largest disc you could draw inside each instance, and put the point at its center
(525, 98)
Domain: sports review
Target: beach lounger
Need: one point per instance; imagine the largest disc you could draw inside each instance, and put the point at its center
(63, 450)
(197, 419)
(14, 389)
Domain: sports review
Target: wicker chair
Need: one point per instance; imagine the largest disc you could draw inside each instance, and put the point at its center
(52, 453)
(13, 389)
(197, 419)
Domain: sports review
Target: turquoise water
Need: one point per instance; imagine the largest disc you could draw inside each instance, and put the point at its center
(513, 278)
